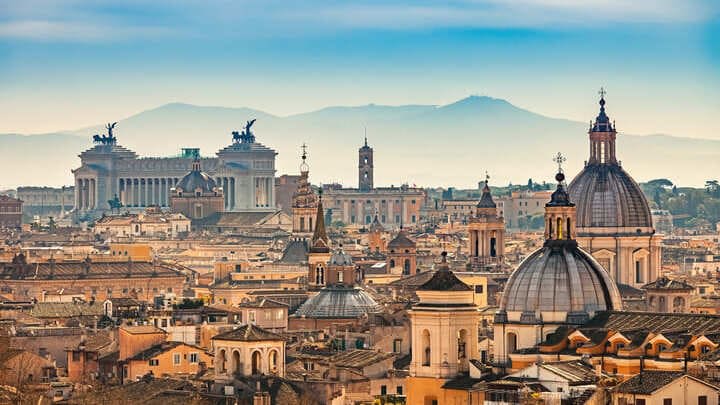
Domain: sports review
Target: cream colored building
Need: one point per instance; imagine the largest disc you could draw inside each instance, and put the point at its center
(246, 351)
(664, 388)
(153, 223)
(444, 335)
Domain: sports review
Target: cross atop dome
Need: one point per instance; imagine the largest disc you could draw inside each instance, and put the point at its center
(559, 159)
(304, 166)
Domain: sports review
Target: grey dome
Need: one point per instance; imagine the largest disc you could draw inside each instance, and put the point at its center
(197, 180)
(340, 258)
(559, 278)
(339, 302)
(607, 197)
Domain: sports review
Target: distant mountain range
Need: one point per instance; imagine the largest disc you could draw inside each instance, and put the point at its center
(427, 145)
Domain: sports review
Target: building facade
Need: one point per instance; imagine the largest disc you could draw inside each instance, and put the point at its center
(395, 206)
(10, 212)
(245, 170)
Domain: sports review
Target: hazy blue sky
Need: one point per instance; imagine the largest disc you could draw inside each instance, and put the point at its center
(65, 64)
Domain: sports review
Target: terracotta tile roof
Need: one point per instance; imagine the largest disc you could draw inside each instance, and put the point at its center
(695, 324)
(359, 358)
(248, 332)
(574, 371)
(141, 329)
(77, 269)
(67, 309)
(158, 349)
(648, 382)
(664, 283)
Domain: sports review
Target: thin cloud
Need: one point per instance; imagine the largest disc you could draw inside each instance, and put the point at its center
(95, 20)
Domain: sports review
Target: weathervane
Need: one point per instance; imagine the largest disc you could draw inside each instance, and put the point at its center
(602, 92)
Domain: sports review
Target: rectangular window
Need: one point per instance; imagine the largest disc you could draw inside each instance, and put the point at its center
(399, 390)
(193, 358)
(383, 390)
(412, 219)
(154, 362)
(702, 400)
(75, 356)
(251, 317)
(397, 345)
(667, 401)
(176, 359)
(268, 315)
(639, 401)
(478, 289)
(280, 314)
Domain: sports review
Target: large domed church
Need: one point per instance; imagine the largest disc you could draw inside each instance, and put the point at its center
(559, 284)
(613, 217)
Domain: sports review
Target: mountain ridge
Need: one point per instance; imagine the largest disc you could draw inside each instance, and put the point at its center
(448, 145)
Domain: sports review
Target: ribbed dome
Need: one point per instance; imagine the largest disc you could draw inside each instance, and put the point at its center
(558, 283)
(197, 180)
(607, 197)
(339, 302)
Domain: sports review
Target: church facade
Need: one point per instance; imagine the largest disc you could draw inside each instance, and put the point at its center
(394, 206)
(244, 170)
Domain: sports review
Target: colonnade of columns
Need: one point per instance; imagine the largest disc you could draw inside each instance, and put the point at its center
(228, 186)
(144, 192)
(86, 194)
(264, 190)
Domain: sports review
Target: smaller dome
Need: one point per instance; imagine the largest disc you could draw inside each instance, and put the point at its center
(340, 258)
(197, 179)
(401, 241)
(339, 302)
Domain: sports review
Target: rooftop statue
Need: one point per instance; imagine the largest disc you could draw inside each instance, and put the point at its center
(108, 139)
(246, 136)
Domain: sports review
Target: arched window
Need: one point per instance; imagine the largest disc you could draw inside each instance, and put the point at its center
(237, 364)
(550, 229)
(559, 229)
(273, 361)
(392, 263)
(678, 304)
(406, 267)
(493, 247)
(256, 358)
(511, 342)
(310, 228)
(302, 224)
(567, 230)
(426, 347)
(222, 361)
(461, 341)
(319, 274)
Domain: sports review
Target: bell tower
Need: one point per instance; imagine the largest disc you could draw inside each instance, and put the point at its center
(444, 333)
(487, 232)
(560, 212)
(365, 167)
(304, 202)
(602, 137)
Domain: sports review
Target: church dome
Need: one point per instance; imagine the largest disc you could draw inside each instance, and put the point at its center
(607, 197)
(559, 283)
(339, 301)
(197, 179)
